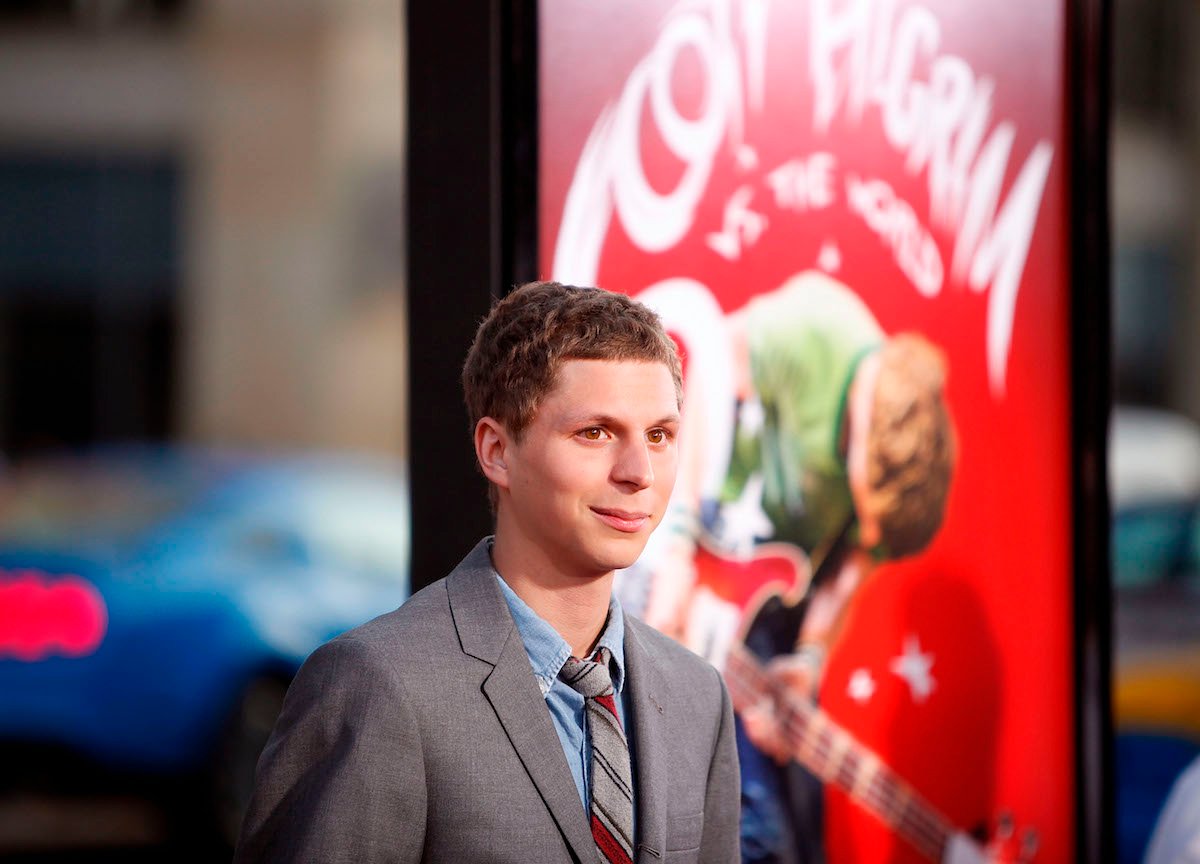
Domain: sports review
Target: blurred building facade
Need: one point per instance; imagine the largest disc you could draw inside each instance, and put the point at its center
(200, 234)
(1155, 184)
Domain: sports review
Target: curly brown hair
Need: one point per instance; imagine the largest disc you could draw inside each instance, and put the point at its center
(912, 449)
(526, 336)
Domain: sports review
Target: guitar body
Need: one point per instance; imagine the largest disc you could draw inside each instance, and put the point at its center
(772, 570)
(730, 592)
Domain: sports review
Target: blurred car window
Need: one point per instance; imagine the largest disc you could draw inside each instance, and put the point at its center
(367, 538)
(272, 546)
(64, 500)
(1154, 472)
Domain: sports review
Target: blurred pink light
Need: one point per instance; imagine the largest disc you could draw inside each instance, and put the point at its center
(43, 616)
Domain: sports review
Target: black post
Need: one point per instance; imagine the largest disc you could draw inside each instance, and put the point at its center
(471, 226)
(1090, 59)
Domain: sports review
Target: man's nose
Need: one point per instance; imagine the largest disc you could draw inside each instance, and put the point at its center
(633, 465)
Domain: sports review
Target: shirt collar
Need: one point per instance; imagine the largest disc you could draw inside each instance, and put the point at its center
(548, 651)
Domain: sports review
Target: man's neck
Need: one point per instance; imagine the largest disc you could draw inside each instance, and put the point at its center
(575, 605)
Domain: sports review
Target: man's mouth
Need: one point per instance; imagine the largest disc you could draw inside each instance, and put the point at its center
(628, 521)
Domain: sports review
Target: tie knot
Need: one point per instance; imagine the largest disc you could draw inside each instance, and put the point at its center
(589, 678)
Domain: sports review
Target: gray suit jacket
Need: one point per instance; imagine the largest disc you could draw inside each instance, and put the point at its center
(423, 736)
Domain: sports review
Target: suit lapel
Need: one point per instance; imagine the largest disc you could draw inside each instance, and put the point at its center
(519, 704)
(647, 691)
(486, 631)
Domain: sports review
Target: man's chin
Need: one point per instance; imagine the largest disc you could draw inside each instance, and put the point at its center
(623, 557)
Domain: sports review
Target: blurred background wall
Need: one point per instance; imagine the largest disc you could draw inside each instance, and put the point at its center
(200, 223)
(1155, 181)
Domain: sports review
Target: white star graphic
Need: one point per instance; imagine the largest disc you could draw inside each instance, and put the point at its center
(861, 687)
(914, 668)
(743, 521)
(829, 258)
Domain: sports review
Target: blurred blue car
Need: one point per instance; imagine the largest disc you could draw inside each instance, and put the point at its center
(154, 604)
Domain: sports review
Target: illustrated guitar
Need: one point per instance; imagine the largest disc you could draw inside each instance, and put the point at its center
(779, 570)
(834, 756)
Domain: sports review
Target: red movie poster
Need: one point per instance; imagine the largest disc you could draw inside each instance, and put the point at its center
(851, 215)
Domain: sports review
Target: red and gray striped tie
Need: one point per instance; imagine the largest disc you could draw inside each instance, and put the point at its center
(612, 781)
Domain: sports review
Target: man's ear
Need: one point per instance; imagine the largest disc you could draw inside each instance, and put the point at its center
(491, 449)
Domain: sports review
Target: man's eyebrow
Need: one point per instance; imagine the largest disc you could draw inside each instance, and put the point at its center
(609, 420)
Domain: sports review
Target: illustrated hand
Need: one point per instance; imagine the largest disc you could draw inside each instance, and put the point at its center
(796, 675)
(798, 672)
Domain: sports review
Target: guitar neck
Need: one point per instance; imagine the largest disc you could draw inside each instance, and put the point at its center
(836, 757)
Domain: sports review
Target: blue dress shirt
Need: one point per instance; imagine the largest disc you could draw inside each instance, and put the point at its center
(547, 652)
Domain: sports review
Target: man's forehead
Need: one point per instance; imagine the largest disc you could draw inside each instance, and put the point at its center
(595, 370)
(613, 389)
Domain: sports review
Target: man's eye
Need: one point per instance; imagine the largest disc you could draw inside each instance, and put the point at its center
(593, 433)
(657, 436)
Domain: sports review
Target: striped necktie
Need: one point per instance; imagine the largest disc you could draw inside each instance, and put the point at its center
(612, 781)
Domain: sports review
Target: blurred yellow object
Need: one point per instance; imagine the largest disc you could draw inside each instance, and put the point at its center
(1160, 693)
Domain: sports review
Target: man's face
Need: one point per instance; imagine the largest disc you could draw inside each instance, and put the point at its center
(592, 474)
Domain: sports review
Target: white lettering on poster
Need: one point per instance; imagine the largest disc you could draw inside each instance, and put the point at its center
(740, 227)
(804, 184)
(610, 173)
(863, 55)
(896, 223)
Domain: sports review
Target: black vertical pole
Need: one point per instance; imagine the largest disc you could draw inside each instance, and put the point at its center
(1090, 62)
(519, 142)
(471, 226)
(453, 265)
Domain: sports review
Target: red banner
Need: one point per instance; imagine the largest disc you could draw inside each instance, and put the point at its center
(795, 187)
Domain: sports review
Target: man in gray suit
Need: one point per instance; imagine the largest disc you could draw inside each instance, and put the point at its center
(511, 712)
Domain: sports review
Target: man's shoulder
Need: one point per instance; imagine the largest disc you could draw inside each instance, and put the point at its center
(421, 627)
(425, 627)
(427, 609)
(426, 615)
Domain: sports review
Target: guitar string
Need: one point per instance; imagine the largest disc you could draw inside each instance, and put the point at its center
(915, 826)
(893, 802)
